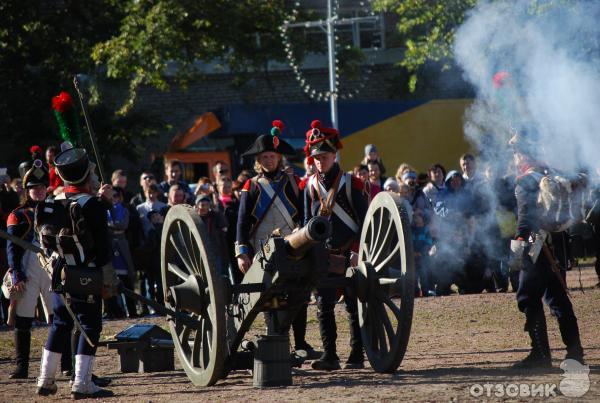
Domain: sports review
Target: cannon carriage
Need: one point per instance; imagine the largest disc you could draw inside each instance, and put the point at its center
(213, 316)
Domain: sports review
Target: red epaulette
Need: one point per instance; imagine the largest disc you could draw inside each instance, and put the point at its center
(357, 184)
(12, 219)
(247, 185)
(302, 183)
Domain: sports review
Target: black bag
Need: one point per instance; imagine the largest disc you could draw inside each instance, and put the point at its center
(64, 234)
(76, 280)
(82, 280)
(62, 229)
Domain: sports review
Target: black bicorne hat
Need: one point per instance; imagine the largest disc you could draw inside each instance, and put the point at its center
(73, 165)
(272, 142)
(34, 173)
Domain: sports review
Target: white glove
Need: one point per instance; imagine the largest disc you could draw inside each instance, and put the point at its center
(517, 254)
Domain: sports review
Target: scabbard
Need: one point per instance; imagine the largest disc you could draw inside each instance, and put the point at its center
(554, 267)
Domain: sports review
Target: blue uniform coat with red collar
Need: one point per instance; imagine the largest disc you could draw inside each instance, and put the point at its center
(19, 224)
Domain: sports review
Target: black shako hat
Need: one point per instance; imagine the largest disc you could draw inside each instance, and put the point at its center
(272, 142)
(72, 165)
(34, 173)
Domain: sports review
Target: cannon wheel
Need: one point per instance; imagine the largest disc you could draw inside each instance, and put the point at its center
(202, 351)
(386, 263)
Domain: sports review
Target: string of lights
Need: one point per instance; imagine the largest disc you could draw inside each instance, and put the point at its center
(308, 88)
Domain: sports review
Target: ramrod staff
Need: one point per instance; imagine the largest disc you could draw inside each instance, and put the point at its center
(90, 129)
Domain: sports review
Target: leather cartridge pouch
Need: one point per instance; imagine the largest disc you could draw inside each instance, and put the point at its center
(78, 280)
(337, 264)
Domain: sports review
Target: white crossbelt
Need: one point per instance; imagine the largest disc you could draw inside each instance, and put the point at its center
(337, 210)
(266, 186)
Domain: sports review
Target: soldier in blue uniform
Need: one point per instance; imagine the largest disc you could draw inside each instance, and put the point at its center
(29, 279)
(270, 200)
(537, 279)
(93, 252)
(342, 199)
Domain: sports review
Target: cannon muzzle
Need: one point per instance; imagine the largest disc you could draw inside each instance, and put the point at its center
(317, 230)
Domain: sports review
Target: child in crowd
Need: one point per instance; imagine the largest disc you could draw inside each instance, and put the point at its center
(422, 243)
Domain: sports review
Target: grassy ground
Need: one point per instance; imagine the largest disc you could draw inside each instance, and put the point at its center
(456, 342)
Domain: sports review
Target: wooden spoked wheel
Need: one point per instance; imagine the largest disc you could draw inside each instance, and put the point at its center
(386, 266)
(192, 286)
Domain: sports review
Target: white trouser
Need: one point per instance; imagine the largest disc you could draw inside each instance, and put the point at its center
(38, 283)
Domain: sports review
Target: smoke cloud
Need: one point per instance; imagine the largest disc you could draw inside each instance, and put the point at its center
(550, 50)
(535, 69)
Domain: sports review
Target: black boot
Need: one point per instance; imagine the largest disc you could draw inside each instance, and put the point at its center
(539, 356)
(22, 346)
(329, 361)
(569, 331)
(299, 328)
(357, 358)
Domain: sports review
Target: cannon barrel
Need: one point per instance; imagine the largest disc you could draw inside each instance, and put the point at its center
(317, 230)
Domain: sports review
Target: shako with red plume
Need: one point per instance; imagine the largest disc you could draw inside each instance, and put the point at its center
(321, 139)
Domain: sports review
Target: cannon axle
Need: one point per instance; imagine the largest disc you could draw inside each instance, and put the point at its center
(188, 296)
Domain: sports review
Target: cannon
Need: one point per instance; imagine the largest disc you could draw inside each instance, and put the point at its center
(213, 315)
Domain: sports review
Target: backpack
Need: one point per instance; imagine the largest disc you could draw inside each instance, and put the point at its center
(63, 230)
(560, 199)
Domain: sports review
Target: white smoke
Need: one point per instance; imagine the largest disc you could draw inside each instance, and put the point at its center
(551, 51)
(548, 91)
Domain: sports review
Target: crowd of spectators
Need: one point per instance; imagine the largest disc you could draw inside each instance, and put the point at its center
(462, 221)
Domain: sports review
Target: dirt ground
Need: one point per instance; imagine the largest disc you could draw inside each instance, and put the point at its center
(457, 343)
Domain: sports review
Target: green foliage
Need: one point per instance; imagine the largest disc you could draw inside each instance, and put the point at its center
(139, 42)
(427, 28)
(160, 42)
(42, 45)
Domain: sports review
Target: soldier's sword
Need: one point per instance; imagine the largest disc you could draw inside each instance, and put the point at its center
(36, 249)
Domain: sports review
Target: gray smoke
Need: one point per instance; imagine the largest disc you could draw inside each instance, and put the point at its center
(548, 91)
(550, 49)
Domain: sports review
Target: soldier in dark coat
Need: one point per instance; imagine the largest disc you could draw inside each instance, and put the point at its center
(342, 199)
(270, 200)
(29, 279)
(539, 277)
(94, 253)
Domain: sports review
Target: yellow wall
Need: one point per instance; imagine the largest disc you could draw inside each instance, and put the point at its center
(429, 133)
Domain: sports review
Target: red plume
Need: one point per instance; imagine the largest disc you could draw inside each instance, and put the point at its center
(278, 124)
(500, 79)
(62, 102)
(315, 124)
(35, 150)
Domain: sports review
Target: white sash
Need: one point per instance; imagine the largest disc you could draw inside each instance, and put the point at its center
(337, 210)
(266, 186)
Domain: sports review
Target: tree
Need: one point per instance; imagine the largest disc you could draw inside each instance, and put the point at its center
(162, 42)
(42, 45)
(427, 27)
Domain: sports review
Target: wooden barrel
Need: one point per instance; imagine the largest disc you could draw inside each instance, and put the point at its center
(272, 361)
